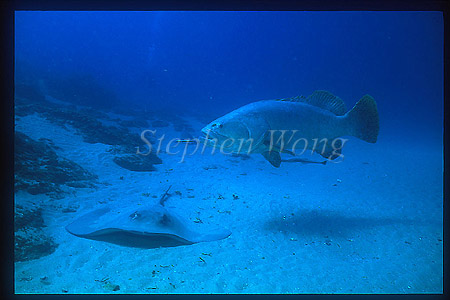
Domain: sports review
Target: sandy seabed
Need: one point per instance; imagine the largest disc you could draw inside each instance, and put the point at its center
(370, 224)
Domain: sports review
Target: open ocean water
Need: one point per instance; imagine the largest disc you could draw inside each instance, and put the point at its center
(118, 190)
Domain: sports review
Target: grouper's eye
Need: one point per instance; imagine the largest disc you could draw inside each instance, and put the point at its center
(216, 125)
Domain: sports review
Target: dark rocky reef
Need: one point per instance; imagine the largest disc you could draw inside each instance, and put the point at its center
(85, 121)
(88, 123)
(160, 123)
(81, 89)
(39, 170)
(86, 101)
(138, 163)
(138, 122)
(27, 106)
(181, 125)
(30, 241)
(29, 92)
(91, 129)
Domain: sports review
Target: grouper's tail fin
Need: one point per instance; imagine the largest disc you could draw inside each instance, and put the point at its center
(364, 120)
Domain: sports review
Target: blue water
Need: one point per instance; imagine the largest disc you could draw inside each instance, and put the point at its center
(222, 60)
(206, 64)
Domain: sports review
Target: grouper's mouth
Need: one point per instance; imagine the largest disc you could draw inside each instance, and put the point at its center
(211, 137)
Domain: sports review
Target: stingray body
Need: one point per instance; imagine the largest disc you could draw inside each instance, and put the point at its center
(150, 227)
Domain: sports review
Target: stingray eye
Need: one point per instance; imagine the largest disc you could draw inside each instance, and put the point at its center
(216, 125)
(134, 215)
(164, 220)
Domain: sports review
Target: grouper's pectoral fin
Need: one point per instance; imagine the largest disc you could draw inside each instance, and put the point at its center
(273, 157)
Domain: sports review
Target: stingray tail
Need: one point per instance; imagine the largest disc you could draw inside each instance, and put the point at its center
(219, 235)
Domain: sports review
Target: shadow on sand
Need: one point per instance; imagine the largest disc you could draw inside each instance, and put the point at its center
(327, 222)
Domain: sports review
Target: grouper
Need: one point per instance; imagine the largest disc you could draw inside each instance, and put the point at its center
(316, 123)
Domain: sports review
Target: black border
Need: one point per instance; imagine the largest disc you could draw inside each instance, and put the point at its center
(233, 5)
(7, 107)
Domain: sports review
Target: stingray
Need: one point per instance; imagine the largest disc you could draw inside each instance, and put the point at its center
(148, 227)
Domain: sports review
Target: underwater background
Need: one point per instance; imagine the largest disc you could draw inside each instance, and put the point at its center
(87, 84)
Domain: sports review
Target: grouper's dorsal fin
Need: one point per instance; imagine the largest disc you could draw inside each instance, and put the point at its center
(322, 99)
(327, 101)
(293, 99)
